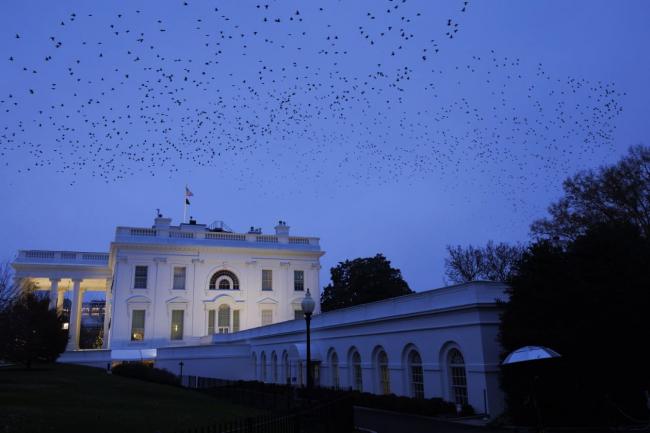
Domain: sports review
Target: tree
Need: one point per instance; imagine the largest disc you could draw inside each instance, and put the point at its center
(31, 331)
(362, 280)
(7, 289)
(611, 194)
(588, 299)
(494, 262)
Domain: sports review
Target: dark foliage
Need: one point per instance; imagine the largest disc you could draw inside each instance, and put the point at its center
(138, 370)
(362, 280)
(494, 262)
(427, 407)
(619, 193)
(30, 331)
(588, 300)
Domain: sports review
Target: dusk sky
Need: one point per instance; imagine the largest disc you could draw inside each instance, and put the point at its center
(392, 126)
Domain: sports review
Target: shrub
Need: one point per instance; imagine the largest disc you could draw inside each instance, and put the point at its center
(138, 370)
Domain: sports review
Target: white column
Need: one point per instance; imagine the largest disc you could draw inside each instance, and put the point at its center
(54, 292)
(59, 301)
(75, 315)
(108, 310)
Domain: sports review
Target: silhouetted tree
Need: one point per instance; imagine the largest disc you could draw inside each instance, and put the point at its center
(30, 331)
(362, 280)
(615, 193)
(588, 299)
(494, 262)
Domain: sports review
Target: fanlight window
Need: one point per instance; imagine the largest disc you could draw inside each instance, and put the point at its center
(458, 376)
(224, 283)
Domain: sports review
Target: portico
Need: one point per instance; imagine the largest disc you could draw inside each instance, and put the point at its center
(59, 272)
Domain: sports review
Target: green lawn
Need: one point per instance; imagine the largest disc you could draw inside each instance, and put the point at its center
(70, 399)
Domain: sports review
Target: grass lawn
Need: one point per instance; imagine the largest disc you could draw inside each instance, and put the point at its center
(70, 399)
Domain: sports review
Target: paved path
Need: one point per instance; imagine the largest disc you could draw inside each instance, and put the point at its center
(381, 421)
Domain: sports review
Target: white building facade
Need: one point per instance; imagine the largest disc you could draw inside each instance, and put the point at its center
(227, 305)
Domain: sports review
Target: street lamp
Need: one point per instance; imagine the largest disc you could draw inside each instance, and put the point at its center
(308, 305)
(180, 364)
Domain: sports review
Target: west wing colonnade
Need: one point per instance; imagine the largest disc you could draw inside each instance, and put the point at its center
(59, 272)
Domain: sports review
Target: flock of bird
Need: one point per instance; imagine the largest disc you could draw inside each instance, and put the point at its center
(362, 92)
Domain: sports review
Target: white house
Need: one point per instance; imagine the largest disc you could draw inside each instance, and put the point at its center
(227, 305)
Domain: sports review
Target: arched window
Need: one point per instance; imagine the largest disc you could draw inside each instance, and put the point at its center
(224, 319)
(274, 367)
(457, 376)
(357, 378)
(384, 375)
(224, 284)
(221, 276)
(416, 375)
(287, 368)
(334, 366)
(263, 367)
(254, 366)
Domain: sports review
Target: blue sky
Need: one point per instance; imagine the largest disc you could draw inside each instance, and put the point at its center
(371, 143)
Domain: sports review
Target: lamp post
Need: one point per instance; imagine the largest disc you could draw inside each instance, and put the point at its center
(308, 305)
(180, 364)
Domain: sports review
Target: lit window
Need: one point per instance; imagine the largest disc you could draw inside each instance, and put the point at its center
(458, 376)
(224, 284)
(177, 325)
(416, 375)
(384, 374)
(267, 317)
(357, 378)
(299, 280)
(235, 320)
(179, 278)
(298, 314)
(224, 319)
(210, 322)
(267, 279)
(137, 325)
(140, 280)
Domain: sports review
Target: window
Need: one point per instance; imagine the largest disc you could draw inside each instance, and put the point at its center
(357, 378)
(267, 317)
(384, 374)
(287, 368)
(235, 321)
(210, 322)
(254, 366)
(298, 314)
(177, 325)
(179, 278)
(224, 284)
(263, 367)
(334, 365)
(416, 375)
(140, 280)
(224, 319)
(458, 377)
(299, 280)
(267, 279)
(300, 374)
(230, 277)
(274, 367)
(137, 325)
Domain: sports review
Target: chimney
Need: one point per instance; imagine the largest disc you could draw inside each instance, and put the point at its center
(282, 229)
(162, 223)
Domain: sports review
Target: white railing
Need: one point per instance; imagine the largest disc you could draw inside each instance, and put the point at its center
(182, 235)
(270, 239)
(225, 236)
(127, 234)
(143, 232)
(36, 256)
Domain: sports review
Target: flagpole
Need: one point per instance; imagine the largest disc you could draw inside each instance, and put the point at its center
(185, 205)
